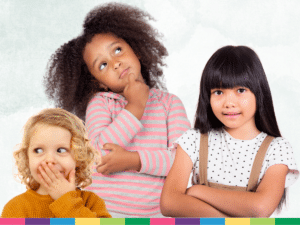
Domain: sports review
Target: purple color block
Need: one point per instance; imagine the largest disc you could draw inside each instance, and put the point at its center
(37, 221)
(187, 221)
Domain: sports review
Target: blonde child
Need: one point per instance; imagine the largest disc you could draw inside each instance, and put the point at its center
(54, 162)
(239, 162)
(110, 75)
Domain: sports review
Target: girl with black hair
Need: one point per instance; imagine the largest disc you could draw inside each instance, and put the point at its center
(110, 76)
(239, 162)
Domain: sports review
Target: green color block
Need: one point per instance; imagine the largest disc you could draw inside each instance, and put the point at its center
(137, 221)
(287, 221)
(112, 221)
(262, 221)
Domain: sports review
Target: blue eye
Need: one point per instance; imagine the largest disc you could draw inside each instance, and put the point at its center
(118, 50)
(38, 150)
(61, 150)
(102, 66)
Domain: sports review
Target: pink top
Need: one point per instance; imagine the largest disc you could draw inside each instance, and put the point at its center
(164, 120)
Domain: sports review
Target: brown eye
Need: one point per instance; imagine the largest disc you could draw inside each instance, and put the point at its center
(217, 92)
(102, 66)
(118, 50)
(241, 90)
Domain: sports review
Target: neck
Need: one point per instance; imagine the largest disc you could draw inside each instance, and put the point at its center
(243, 133)
(41, 191)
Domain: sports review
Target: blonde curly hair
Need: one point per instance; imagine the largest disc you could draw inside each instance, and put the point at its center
(84, 154)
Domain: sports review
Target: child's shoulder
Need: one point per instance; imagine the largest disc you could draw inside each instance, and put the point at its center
(280, 141)
(22, 197)
(16, 205)
(163, 96)
(106, 95)
(280, 144)
(190, 135)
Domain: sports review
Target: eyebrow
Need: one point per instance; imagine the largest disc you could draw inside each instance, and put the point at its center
(109, 46)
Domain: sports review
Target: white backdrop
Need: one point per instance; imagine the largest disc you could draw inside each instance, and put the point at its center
(30, 31)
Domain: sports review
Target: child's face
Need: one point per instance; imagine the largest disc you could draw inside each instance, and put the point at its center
(235, 107)
(110, 60)
(50, 144)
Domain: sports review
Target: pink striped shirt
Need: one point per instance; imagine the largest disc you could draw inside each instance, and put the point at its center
(130, 193)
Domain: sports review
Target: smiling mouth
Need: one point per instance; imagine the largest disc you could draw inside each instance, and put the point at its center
(231, 115)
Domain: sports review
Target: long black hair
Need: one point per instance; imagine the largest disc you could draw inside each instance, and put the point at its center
(229, 67)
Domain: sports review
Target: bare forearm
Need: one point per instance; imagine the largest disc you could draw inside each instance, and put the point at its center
(181, 205)
(134, 162)
(234, 203)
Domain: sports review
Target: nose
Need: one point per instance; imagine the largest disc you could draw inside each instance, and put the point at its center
(117, 64)
(230, 100)
(50, 158)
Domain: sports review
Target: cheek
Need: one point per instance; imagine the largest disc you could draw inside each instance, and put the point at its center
(34, 165)
(249, 104)
(245, 102)
(215, 104)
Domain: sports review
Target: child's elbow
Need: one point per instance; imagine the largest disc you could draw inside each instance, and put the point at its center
(166, 205)
(262, 210)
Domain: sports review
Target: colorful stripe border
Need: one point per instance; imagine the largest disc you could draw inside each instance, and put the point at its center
(150, 221)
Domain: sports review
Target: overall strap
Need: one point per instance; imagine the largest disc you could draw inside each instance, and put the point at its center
(257, 164)
(256, 167)
(203, 156)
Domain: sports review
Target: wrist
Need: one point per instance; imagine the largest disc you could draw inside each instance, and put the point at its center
(135, 162)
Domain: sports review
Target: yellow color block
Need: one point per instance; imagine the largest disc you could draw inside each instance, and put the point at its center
(85, 221)
(237, 221)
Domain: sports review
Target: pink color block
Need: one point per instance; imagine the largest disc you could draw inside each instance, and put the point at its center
(162, 221)
(12, 221)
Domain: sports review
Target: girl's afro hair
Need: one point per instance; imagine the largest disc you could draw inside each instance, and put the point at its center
(68, 81)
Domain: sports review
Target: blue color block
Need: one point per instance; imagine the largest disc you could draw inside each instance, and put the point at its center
(62, 221)
(212, 221)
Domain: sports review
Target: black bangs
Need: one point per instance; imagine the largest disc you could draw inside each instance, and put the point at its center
(229, 69)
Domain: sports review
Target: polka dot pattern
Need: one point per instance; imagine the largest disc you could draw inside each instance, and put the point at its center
(230, 160)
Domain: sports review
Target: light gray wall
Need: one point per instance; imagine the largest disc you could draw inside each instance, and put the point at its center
(30, 31)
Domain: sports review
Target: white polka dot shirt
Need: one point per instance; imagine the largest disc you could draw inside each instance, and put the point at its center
(230, 160)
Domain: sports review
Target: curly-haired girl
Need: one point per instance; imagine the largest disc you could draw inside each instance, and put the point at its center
(109, 75)
(54, 161)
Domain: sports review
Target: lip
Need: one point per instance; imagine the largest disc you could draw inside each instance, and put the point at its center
(231, 115)
(124, 72)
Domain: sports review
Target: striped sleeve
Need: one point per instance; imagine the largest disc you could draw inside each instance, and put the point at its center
(103, 128)
(158, 163)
